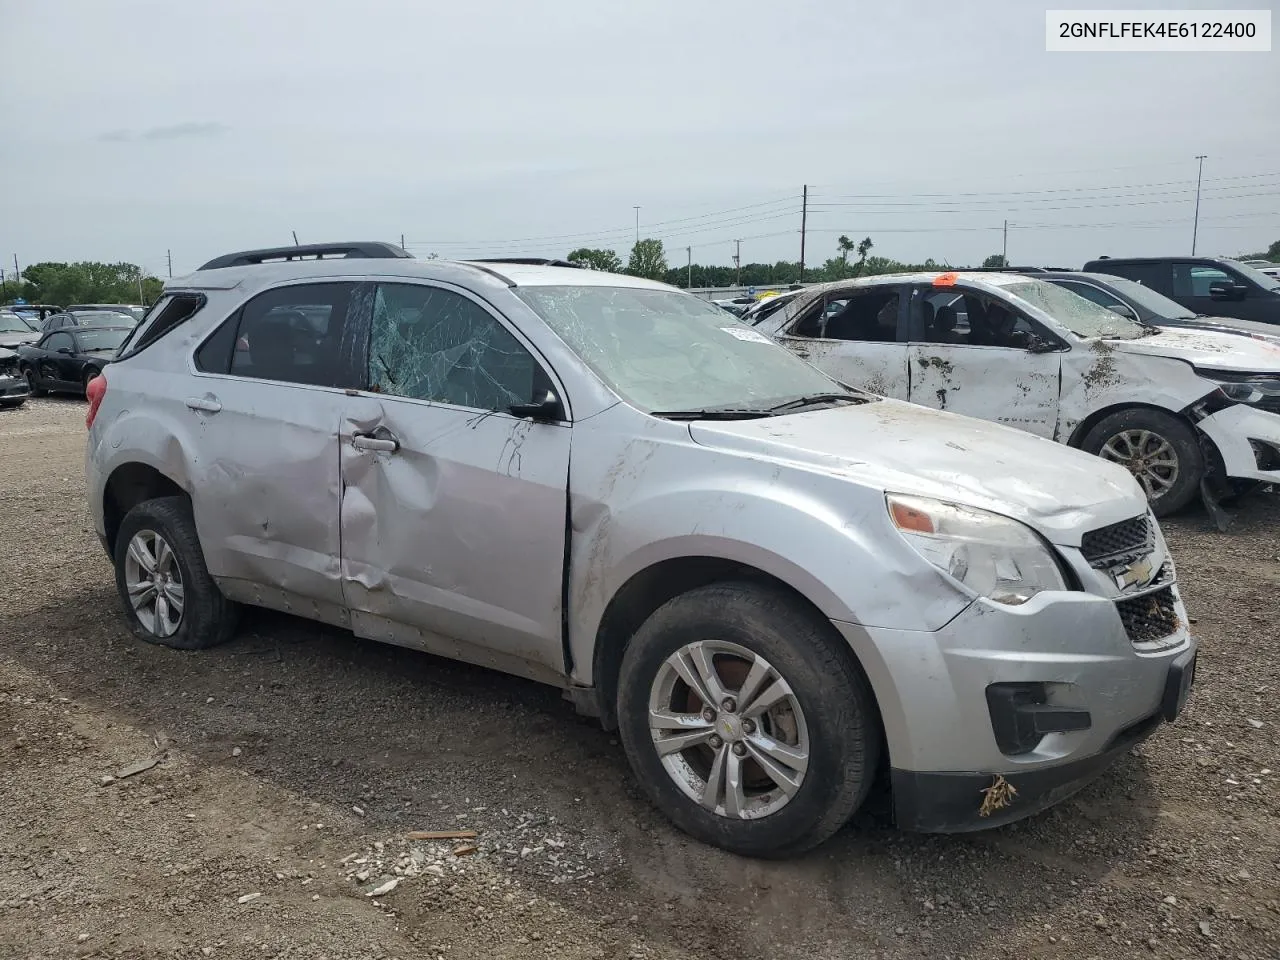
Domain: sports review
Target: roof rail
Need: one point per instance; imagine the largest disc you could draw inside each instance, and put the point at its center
(359, 249)
(528, 261)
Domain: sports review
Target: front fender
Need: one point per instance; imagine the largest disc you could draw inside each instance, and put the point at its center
(782, 520)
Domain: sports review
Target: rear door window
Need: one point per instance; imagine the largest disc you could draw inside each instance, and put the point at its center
(1157, 276)
(869, 316)
(293, 334)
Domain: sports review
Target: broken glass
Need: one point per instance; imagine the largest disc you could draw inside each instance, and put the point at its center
(434, 344)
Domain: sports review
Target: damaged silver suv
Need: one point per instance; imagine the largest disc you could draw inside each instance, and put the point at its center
(769, 582)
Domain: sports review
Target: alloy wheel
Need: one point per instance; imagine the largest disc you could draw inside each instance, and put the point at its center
(728, 729)
(154, 582)
(1148, 456)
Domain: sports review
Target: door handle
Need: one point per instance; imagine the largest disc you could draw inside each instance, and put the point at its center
(203, 404)
(382, 441)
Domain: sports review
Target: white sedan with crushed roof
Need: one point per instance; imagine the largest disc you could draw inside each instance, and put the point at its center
(1176, 407)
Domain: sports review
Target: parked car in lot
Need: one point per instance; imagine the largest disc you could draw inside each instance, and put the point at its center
(134, 311)
(14, 331)
(1023, 352)
(1131, 299)
(66, 360)
(762, 578)
(13, 386)
(86, 318)
(34, 314)
(1214, 286)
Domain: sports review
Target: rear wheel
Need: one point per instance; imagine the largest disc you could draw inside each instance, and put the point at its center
(1159, 449)
(33, 383)
(89, 375)
(165, 587)
(746, 720)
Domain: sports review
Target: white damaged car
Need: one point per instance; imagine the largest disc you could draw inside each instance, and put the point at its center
(1183, 410)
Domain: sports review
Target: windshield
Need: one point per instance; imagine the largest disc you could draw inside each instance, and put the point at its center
(666, 351)
(1147, 298)
(12, 323)
(1082, 317)
(1257, 276)
(103, 319)
(101, 339)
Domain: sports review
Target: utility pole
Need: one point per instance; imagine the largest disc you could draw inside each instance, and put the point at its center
(1195, 226)
(737, 263)
(1004, 254)
(402, 241)
(804, 219)
(295, 238)
(689, 284)
(169, 255)
(637, 209)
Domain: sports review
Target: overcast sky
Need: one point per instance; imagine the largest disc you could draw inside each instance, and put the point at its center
(493, 127)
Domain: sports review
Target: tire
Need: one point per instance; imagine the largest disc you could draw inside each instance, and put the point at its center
(1173, 441)
(89, 375)
(33, 383)
(837, 715)
(207, 618)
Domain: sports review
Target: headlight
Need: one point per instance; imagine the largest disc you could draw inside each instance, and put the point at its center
(993, 556)
(1245, 389)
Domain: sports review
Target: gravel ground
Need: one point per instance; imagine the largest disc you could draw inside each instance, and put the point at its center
(290, 765)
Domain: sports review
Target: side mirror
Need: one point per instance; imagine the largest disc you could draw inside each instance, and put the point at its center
(1124, 310)
(1224, 290)
(66, 351)
(544, 407)
(1037, 344)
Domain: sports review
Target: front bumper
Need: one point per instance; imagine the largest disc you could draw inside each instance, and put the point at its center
(932, 691)
(13, 388)
(1231, 431)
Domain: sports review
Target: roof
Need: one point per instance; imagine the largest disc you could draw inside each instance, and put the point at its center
(462, 272)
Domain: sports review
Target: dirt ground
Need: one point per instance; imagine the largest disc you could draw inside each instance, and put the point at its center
(291, 764)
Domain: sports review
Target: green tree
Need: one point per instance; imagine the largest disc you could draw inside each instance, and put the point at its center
(864, 247)
(606, 260)
(1272, 253)
(845, 245)
(648, 259)
(994, 262)
(88, 282)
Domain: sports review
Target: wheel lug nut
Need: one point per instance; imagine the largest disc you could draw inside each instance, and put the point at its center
(739, 750)
(748, 726)
(730, 704)
(716, 742)
(708, 714)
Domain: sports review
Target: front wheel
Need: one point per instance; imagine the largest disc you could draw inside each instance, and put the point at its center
(1159, 449)
(33, 383)
(165, 587)
(746, 720)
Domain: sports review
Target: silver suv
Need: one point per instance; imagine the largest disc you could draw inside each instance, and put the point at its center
(769, 582)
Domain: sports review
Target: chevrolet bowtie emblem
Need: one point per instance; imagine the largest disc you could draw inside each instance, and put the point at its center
(1137, 573)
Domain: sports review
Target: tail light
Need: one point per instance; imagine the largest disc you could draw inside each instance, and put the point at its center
(94, 391)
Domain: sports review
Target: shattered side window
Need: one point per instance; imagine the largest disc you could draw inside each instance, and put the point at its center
(434, 344)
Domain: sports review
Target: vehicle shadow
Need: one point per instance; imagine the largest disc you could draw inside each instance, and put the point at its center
(341, 721)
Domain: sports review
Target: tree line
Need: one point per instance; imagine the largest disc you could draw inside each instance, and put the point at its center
(649, 259)
(82, 282)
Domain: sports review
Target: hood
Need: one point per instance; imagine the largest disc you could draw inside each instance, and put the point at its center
(1214, 349)
(12, 340)
(904, 448)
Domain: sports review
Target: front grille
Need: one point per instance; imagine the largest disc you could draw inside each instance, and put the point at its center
(1119, 543)
(8, 366)
(1150, 617)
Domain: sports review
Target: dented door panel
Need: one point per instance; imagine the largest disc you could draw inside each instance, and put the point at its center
(1008, 386)
(876, 367)
(263, 438)
(459, 532)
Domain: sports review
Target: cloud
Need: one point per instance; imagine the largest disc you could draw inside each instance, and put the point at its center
(173, 131)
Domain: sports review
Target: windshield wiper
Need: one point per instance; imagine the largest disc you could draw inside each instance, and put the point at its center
(813, 399)
(715, 413)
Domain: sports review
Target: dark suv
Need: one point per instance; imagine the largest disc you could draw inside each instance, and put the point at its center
(1214, 286)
